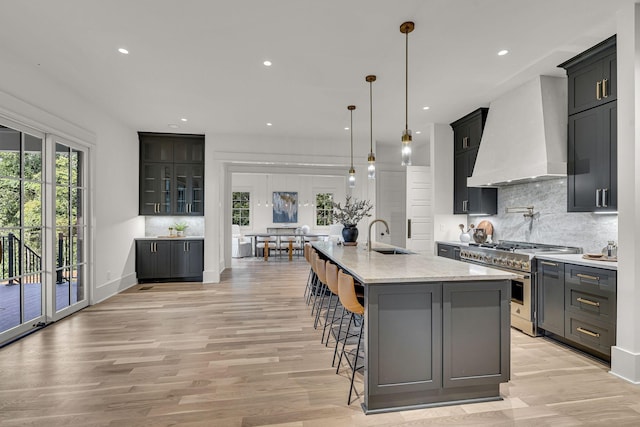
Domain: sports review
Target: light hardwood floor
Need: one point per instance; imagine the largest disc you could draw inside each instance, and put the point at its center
(244, 353)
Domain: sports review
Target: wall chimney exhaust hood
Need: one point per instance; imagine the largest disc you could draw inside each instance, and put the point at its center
(525, 136)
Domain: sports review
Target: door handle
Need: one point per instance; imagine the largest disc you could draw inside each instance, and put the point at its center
(604, 197)
(604, 88)
(408, 229)
(598, 90)
(598, 197)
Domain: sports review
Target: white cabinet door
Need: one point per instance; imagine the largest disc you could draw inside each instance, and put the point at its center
(419, 209)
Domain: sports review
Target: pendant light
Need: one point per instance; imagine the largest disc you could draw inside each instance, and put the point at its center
(406, 28)
(371, 170)
(352, 171)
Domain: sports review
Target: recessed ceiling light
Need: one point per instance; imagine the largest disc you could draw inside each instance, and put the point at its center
(123, 51)
(503, 52)
(183, 119)
(173, 126)
(425, 108)
(347, 128)
(418, 132)
(267, 63)
(269, 124)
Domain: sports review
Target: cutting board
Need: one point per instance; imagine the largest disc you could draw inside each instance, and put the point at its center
(487, 226)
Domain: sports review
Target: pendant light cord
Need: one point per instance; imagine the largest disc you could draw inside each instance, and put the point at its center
(351, 139)
(371, 116)
(406, 86)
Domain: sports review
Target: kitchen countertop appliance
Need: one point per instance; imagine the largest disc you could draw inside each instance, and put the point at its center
(517, 257)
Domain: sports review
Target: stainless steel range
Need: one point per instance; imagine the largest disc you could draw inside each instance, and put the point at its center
(517, 257)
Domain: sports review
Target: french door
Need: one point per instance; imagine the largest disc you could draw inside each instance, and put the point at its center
(42, 229)
(69, 239)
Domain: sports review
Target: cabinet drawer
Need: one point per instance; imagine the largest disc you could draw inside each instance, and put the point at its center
(597, 305)
(599, 336)
(449, 251)
(591, 278)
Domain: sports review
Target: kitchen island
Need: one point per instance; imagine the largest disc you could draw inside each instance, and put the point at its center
(437, 331)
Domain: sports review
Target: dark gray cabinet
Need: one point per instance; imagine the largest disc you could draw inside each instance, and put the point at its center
(592, 160)
(187, 259)
(461, 349)
(153, 259)
(171, 174)
(577, 305)
(449, 251)
(169, 260)
(592, 134)
(592, 77)
(550, 313)
(467, 133)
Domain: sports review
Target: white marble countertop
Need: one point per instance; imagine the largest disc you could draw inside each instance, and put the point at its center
(170, 238)
(578, 260)
(373, 267)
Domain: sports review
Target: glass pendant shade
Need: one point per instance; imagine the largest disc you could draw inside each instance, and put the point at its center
(371, 170)
(406, 147)
(352, 178)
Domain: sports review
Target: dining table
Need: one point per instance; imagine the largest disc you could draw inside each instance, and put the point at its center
(278, 239)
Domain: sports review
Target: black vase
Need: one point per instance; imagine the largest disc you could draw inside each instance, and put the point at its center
(350, 233)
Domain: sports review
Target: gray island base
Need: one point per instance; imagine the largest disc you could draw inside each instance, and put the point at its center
(437, 331)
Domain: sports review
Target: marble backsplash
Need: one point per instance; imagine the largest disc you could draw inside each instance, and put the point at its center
(551, 224)
(155, 226)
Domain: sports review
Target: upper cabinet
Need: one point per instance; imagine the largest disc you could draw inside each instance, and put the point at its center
(592, 145)
(171, 174)
(592, 77)
(467, 133)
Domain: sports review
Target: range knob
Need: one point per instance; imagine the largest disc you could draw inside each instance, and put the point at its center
(510, 262)
(525, 265)
(517, 264)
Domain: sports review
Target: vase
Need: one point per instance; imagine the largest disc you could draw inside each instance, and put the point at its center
(180, 233)
(350, 233)
(465, 237)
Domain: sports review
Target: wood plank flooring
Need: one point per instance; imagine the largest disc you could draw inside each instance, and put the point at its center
(244, 353)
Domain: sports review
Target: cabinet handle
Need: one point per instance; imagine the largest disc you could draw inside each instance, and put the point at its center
(604, 197)
(588, 332)
(552, 264)
(444, 250)
(604, 88)
(598, 197)
(465, 205)
(586, 276)
(408, 228)
(588, 301)
(598, 89)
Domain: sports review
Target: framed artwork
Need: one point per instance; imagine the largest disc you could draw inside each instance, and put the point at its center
(285, 206)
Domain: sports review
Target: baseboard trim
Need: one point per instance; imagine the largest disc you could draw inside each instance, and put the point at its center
(109, 289)
(625, 364)
(209, 276)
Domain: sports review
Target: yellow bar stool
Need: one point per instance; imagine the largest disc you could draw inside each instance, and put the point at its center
(351, 303)
(311, 278)
(321, 290)
(331, 273)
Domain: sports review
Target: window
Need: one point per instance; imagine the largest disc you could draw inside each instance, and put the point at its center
(324, 209)
(240, 208)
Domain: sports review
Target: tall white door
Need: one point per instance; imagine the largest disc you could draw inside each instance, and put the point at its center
(419, 209)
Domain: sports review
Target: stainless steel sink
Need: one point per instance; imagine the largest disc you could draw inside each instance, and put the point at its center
(392, 251)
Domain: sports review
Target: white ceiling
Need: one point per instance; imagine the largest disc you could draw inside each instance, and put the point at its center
(202, 59)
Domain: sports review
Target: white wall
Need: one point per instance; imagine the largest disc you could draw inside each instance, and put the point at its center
(28, 96)
(261, 186)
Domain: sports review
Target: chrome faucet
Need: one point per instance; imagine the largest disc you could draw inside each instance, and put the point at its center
(369, 235)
